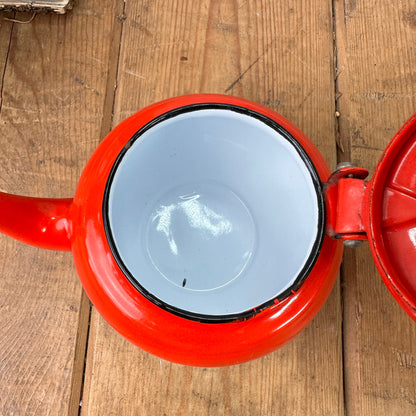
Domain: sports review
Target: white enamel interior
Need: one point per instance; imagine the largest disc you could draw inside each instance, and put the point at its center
(213, 212)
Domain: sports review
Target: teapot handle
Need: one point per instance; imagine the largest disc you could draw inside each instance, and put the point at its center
(41, 222)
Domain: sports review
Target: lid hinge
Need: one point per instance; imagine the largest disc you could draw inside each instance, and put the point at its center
(345, 194)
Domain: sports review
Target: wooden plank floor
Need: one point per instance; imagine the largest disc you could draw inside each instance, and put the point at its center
(343, 71)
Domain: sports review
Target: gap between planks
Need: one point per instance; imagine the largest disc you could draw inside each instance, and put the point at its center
(81, 348)
(343, 154)
(5, 63)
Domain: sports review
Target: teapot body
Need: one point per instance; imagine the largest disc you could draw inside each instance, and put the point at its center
(146, 321)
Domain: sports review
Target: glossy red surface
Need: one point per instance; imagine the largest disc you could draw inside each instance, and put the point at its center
(382, 210)
(391, 203)
(153, 328)
(40, 222)
(344, 192)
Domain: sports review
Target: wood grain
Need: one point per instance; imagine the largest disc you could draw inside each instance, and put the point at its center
(53, 99)
(376, 83)
(276, 53)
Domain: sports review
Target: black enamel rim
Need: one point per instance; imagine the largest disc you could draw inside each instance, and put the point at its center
(315, 249)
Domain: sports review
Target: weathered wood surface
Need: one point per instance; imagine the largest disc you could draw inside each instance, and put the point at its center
(66, 80)
(377, 79)
(53, 74)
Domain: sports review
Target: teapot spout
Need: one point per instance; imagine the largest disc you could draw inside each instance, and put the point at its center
(41, 222)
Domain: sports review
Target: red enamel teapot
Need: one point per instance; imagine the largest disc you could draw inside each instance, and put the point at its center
(208, 230)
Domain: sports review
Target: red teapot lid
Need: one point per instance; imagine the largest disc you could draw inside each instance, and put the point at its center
(391, 230)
